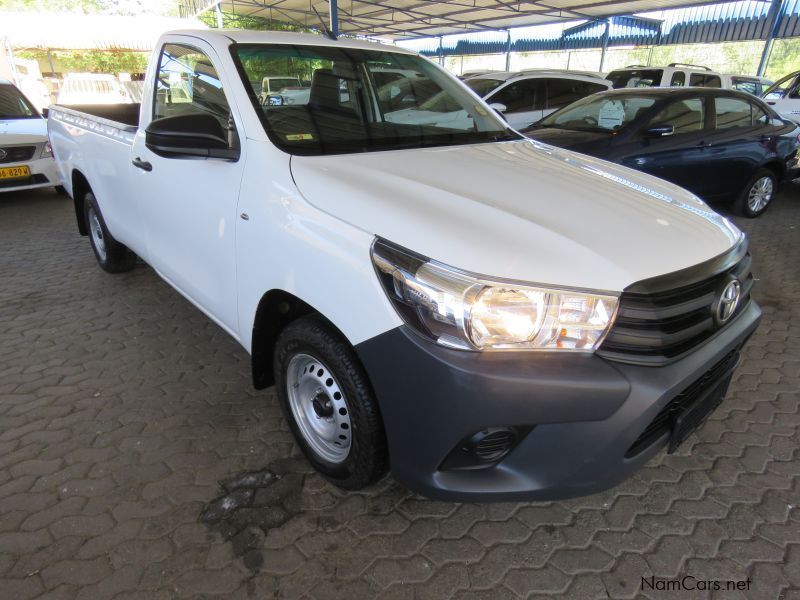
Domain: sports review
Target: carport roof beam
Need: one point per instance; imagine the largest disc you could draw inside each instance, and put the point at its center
(407, 19)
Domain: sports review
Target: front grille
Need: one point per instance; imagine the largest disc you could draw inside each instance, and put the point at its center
(665, 419)
(653, 328)
(17, 153)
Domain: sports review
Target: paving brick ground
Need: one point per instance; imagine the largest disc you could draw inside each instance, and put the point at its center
(121, 407)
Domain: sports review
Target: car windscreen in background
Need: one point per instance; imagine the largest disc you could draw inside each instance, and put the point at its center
(603, 112)
(635, 78)
(13, 105)
(362, 101)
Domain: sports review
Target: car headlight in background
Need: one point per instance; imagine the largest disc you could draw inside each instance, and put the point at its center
(470, 312)
(47, 151)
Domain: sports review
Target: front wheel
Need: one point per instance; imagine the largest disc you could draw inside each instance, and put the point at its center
(757, 194)
(329, 404)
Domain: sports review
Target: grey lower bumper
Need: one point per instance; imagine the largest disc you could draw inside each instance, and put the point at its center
(583, 413)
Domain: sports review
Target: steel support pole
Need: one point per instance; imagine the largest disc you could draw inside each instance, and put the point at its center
(508, 51)
(333, 7)
(218, 12)
(441, 52)
(605, 44)
(774, 19)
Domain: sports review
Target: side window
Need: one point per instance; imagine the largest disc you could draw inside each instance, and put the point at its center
(684, 115)
(678, 79)
(733, 112)
(520, 96)
(561, 92)
(186, 83)
(703, 80)
(760, 117)
(746, 85)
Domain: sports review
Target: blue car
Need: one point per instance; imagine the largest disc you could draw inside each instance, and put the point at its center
(723, 145)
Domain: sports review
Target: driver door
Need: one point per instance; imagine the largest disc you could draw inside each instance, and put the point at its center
(680, 157)
(189, 204)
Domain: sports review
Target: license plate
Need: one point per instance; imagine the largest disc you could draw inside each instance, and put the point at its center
(15, 172)
(694, 416)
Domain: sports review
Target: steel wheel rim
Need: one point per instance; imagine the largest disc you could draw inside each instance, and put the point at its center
(760, 194)
(97, 234)
(319, 407)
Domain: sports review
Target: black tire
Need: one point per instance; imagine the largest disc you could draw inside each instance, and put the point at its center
(61, 190)
(746, 207)
(367, 459)
(113, 257)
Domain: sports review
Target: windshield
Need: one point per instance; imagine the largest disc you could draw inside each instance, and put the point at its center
(607, 112)
(483, 86)
(13, 105)
(351, 107)
(635, 78)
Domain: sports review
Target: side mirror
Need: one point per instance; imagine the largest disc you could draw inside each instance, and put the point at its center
(45, 112)
(660, 131)
(190, 136)
(499, 107)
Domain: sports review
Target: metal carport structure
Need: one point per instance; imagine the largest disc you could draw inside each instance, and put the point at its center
(404, 19)
(599, 22)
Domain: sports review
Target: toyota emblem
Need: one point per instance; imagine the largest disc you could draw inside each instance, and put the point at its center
(727, 302)
(3, 154)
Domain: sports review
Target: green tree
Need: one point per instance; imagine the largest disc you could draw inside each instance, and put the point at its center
(91, 61)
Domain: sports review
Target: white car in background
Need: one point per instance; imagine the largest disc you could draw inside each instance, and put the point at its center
(524, 97)
(26, 160)
(92, 88)
(685, 75)
(784, 96)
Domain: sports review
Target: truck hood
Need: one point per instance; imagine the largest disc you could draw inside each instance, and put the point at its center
(22, 131)
(520, 210)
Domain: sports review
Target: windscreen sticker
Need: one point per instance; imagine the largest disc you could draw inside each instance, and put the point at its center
(297, 137)
(611, 115)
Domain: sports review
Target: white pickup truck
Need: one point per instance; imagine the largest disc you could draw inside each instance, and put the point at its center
(491, 317)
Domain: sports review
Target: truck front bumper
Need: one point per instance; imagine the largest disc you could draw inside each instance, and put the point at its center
(577, 420)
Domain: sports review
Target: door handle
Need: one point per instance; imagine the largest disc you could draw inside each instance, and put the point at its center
(142, 164)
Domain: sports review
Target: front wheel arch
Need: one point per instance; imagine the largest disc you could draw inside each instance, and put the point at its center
(276, 309)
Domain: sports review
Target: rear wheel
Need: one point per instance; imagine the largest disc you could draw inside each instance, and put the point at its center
(112, 256)
(327, 400)
(757, 194)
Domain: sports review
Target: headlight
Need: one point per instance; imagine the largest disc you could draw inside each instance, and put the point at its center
(466, 311)
(47, 150)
